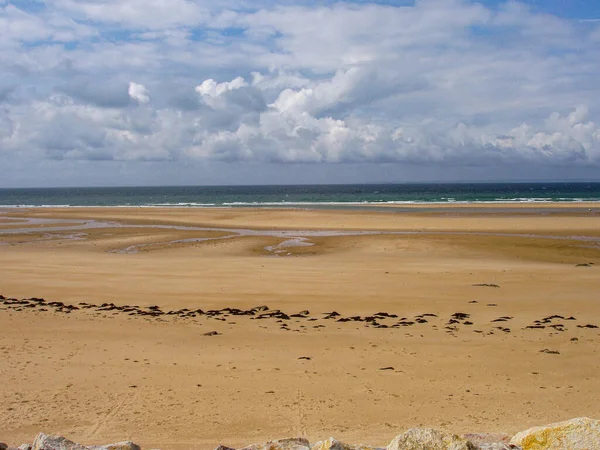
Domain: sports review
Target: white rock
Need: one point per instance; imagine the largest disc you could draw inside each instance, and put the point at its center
(49, 442)
(575, 434)
(490, 441)
(282, 444)
(333, 444)
(125, 445)
(429, 439)
(497, 446)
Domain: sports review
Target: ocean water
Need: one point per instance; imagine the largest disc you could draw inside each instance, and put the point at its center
(302, 196)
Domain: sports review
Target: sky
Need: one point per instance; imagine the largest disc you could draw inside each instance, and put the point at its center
(198, 92)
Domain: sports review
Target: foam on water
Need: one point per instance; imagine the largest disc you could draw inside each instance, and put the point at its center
(302, 196)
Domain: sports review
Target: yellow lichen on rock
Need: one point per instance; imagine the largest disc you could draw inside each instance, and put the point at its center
(576, 434)
(428, 439)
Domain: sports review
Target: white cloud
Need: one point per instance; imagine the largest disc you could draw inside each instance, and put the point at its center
(211, 88)
(62, 128)
(18, 26)
(138, 92)
(139, 14)
(438, 82)
(332, 38)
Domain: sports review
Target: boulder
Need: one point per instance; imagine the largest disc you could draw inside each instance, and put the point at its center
(497, 446)
(282, 444)
(49, 442)
(429, 439)
(333, 444)
(3, 446)
(125, 445)
(490, 441)
(575, 434)
(487, 438)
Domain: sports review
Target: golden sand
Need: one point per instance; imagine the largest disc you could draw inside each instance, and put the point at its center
(105, 376)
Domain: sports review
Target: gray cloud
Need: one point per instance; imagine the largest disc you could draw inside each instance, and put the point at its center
(5, 92)
(108, 94)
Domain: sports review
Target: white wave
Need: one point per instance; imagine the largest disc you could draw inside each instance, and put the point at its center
(444, 201)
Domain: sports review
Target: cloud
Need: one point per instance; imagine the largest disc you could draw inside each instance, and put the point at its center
(287, 134)
(5, 92)
(437, 83)
(138, 92)
(210, 88)
(570, 138)
(63, 128)
(138, 14)
(104, 93)
(18, 26)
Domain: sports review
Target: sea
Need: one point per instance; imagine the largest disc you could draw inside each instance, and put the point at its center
(301, 196)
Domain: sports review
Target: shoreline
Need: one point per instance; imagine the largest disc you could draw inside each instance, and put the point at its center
(495, 218)
(336, 205)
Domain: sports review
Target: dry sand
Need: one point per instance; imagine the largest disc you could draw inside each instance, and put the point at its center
(105, 376)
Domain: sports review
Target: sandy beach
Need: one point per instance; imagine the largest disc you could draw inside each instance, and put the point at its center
(460, 318)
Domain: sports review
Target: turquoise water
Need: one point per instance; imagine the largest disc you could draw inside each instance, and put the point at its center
(300, 196)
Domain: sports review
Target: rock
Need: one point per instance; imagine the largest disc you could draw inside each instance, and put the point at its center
(429, 439)
(212, 333)
(497, 446)
(490, 441)
(333, 444)
(49, 442)
(24, 447)
(125, 445)
(486, 438)
(282, 444)
(3, 446)
(223, 447)
(574, 434)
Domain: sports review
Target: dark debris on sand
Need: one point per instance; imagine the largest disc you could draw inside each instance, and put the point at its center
(291, 321)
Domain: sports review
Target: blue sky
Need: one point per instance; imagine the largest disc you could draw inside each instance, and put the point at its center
(110, 92)
(574, 9)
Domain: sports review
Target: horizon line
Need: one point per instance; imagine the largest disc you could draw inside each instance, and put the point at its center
(394, 183)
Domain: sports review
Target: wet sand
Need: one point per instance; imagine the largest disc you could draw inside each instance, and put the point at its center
(100, 374)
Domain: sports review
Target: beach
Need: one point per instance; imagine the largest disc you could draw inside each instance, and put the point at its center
(495, 312)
